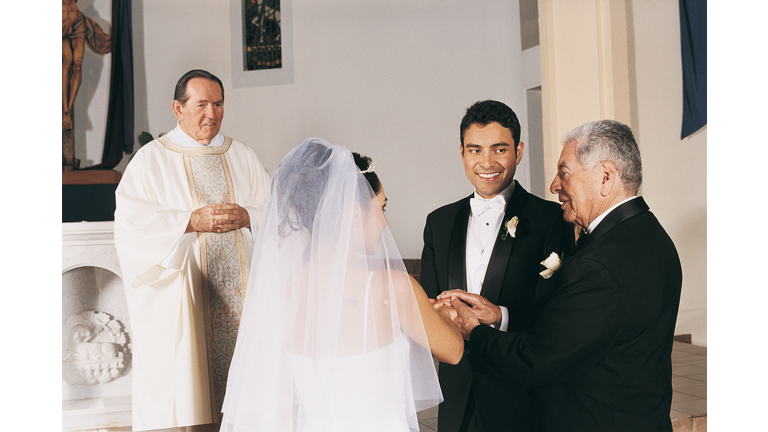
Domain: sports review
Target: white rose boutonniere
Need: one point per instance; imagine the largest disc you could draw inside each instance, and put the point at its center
(511, 227)
(552, 263)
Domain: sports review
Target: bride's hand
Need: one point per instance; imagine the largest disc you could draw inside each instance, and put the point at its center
(446, 309)
(441, 302)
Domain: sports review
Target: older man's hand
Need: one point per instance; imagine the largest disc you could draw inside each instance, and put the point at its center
(465, 319)
(218, 218)
(486, 312)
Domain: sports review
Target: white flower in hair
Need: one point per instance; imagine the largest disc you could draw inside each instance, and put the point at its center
(371, 168)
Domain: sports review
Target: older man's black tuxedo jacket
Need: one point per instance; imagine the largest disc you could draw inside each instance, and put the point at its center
(598, 356)
(510, 281)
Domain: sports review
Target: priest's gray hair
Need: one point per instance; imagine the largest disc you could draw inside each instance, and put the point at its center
(609, 140)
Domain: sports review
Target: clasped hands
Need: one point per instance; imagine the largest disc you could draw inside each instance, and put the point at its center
(218, 218)
(470, 310)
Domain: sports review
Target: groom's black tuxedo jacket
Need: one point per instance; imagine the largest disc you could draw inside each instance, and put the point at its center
(598, 357)
(510, 281)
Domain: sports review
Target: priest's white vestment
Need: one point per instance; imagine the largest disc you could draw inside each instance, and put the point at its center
(171, 277)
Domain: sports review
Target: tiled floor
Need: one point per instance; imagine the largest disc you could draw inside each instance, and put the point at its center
(689, 383)
(689, 401)
(428, 420)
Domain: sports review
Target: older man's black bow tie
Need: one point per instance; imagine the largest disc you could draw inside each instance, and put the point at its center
(582, 240)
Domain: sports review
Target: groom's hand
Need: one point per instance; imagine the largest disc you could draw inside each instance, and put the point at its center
(465, 319)
(486, 312)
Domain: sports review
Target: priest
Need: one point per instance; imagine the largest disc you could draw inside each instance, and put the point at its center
(188, 206)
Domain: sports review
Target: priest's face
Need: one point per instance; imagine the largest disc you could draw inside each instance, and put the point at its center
(200, 117)
(490, 158)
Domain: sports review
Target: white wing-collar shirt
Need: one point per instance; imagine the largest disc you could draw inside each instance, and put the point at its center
(483, 227)
(602, 216)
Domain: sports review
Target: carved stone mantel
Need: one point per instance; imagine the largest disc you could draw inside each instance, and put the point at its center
(89, 244)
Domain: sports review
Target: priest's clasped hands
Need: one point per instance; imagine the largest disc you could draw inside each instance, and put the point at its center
(218, 218)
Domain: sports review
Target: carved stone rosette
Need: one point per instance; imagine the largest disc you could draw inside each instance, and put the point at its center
(94, 349)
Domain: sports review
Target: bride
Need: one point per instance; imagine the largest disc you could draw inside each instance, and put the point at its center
(335, 335)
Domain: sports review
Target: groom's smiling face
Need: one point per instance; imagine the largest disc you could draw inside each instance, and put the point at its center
(490, 158)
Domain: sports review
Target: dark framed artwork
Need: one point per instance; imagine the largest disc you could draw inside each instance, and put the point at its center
(261, 20)
(262, 45)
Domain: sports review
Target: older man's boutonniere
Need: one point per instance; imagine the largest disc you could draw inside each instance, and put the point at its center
(552, 263)
(511, 228)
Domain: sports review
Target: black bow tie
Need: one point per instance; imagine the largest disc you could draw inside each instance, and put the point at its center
(582, 240)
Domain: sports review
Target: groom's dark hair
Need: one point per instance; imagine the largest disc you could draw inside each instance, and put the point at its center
(487, 112)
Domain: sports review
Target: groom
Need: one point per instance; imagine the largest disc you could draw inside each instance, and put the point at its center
(490, 244)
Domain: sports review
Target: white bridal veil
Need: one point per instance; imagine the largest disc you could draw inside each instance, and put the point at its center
(331, 337)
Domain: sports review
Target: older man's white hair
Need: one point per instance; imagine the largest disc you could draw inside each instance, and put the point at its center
(609, 140)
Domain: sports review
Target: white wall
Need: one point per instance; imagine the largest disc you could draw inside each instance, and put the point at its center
(389, 79)
(674, 170)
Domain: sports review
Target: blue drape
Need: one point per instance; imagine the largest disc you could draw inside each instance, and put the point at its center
(119, 134)
(693, 41)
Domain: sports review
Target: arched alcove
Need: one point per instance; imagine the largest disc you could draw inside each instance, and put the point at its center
(96, 331)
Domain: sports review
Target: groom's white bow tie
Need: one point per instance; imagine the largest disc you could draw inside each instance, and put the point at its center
(480, 205)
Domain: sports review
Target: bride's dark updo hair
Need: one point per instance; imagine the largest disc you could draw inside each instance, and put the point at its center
(364, 162)
(300, 181)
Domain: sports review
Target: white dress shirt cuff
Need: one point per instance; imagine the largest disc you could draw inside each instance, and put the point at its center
(504, 320)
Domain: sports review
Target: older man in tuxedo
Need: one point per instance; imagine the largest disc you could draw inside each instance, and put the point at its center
(490, 245)
(598, 357)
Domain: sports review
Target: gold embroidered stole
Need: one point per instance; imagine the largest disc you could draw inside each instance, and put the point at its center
(223, 263)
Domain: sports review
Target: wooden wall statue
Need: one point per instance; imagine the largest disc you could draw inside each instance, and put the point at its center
(76, 30)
